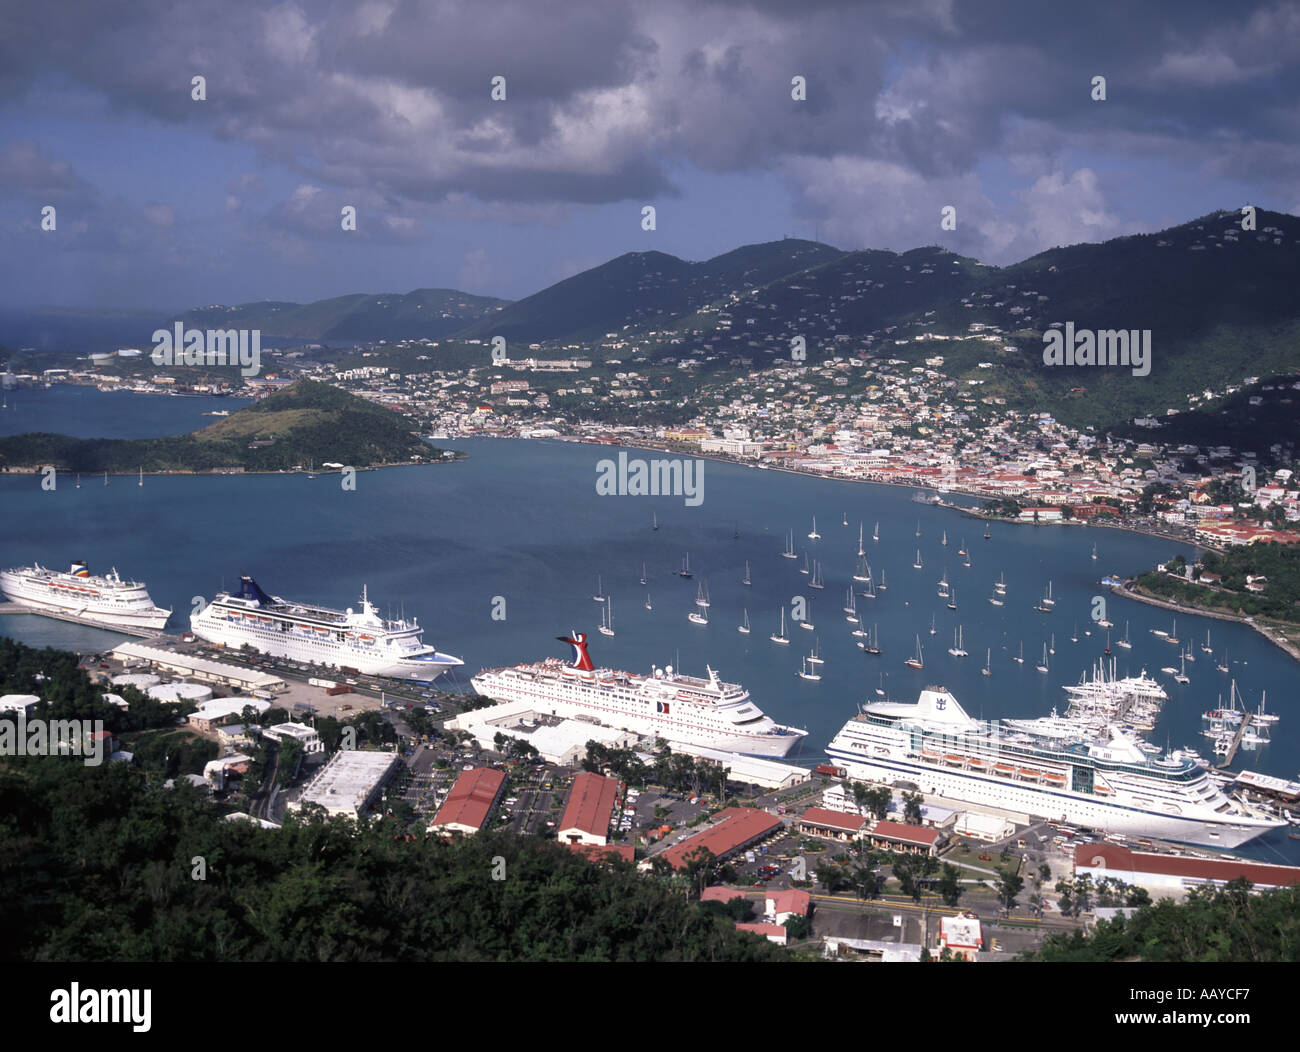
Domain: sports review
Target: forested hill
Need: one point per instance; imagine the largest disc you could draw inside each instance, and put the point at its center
(306, 423)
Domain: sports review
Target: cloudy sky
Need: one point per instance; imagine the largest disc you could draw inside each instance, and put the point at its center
(164, 201)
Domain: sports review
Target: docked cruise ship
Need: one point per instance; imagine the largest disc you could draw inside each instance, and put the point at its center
(108, 601)
(1106, 784)
(316, 634)
(666, 704)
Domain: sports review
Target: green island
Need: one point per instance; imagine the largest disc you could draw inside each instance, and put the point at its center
(1256, 580)
(305, 423)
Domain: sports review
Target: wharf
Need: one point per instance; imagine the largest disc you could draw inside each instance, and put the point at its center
(18, 608)
(1236, 741)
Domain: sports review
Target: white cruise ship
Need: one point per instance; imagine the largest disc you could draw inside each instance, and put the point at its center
(1109, 785)
(667, 704)
(108, 600)
(316, 634)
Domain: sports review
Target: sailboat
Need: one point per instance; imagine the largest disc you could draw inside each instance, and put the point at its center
(943, 585)
(988, 654)
(875, 534)
(789, 547)
(654, 521)
(1000, 585)
(952, 601)
(872, 645)
(1182, 673)
(643, 573)
(933, 630)
(804, 569)
(882, 586)
(996, 599)
(957, 650)
(1124, 642)
(962, 550)
(1042, 606)
(880, 690)
(1223, 665)
(850, 608)
(1042, 666)
(686, 570)
(780, 637)
(1021, 658)
(1094, 553)
(864, 571)
(805, 674)
(1205, 647)
(944, 542)
(607, 625)
(744, 628)
(918, 527)
(986, 531)
(807, 624)
(816, 581)
(861, 551)
(78, 482)
(745, 579)
(845, 521)
(599, 597)
(141, 482)
(1051, 649)
(699, 616)
(916, 662)
(814, 536)
(1048, 601)
(1075, 638)
(870, 591)
(1172, 637)
(647, 602)
(815, 657)
(105, 478)
(917, 565)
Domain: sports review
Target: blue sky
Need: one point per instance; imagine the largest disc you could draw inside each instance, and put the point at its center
(167, 202)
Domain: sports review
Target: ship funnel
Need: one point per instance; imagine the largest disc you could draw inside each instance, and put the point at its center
(79, 568)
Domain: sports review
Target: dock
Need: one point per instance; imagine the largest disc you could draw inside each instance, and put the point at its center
(18, 608)
(1236, 741)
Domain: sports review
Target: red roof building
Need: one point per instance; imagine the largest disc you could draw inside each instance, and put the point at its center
(588, 810)
(790, 903)
(773, 932)
(470, 801)
(735, 829)
(1175, 871)
(603, 852)
(895, 836)
(834, 825)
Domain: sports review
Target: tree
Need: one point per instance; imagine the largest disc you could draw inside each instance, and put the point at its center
(912, 808)
(949, 884)
(1009, 886)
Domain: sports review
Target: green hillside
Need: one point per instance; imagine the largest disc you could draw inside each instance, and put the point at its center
(304, 423)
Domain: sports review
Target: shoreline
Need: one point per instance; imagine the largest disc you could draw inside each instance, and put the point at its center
(1125, 592)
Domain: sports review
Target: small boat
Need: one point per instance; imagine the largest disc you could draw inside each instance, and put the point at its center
(599, 597)
(805, 674)
(944, 542)
(996, 600)
(851, 608)
(917, 565)
(986, 531)
(1075, 638)
(1172, 637)
(918, 527)
(780, 637)
(1000, 585)
(654, 521)
(845, 522)
(789, 547)
(875, 534)
(607, 625)
(816, 581)
(943, 585)
(814, 536)
(78, 482)
(743, 629)
(872, 644)
(643, 573)
(815, 657)
(686, 570)
(745, 580)
(1021, 658)
(962, 550)
(701, 600)
(804, 569)
(1042, 666)
(988, 655)
(647, 602)
(864, 570)
(695, 617)
(933, 630)
(1052, 647)
(861, 551)
(952, 602)
(141, 476)
(882, 586)
(957, 650)
(916, 662)
(1205, 647)
(1094, 553)
(1124, 642)
(1181, 675)
(807, 624)
(1048, 601)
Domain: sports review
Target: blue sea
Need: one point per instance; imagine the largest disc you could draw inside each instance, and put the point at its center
(518, 527)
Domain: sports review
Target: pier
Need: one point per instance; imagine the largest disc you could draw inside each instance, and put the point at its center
(18, 608)
(1236, 741)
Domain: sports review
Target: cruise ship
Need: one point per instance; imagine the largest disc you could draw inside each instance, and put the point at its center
(1107, 784)
(108, 601)
(667, 704)
(315, 634)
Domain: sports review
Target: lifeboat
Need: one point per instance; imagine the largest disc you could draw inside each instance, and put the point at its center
(1029, 774)
(1103, 790)
(978, 764)
(952, 760)
(933, 757)
(1053, 778)
(1004, 769)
